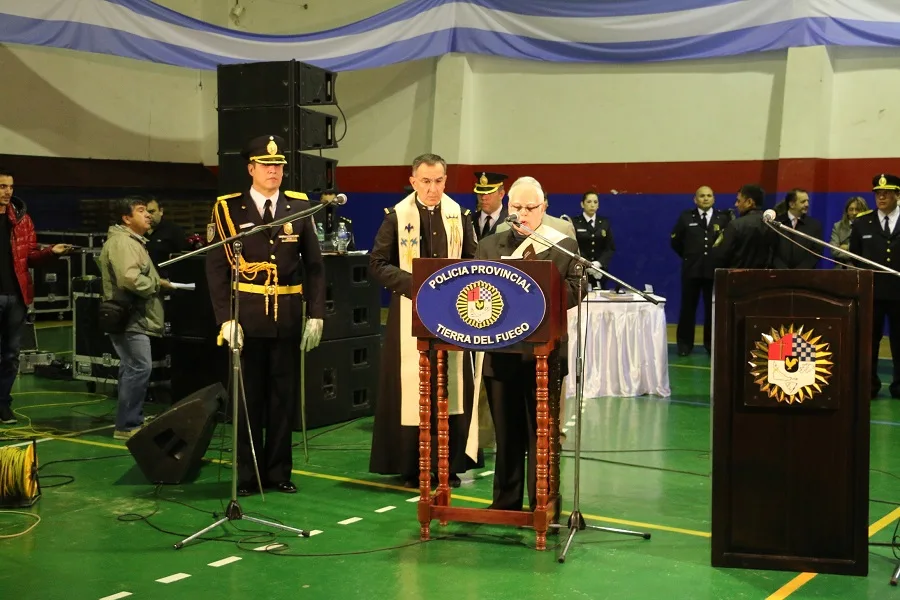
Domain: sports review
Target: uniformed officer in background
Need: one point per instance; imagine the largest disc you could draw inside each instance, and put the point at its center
(271, 308)
(693, 237)
(876, 236)
(490, 190)
(329, 218)
(594, 235)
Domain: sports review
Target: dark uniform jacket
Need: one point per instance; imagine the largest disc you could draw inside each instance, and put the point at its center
(501, 365)
(694, 243)
(168, 238)
(501, 218)
(868, 239)
(788, 255)
(595, 243)
(285, 247)
(747, 243)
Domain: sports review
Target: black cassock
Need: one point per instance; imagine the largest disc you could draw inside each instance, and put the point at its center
(395, 447)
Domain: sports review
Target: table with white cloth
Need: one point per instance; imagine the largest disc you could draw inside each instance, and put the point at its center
(625, 346)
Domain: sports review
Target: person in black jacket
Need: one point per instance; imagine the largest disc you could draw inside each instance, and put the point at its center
(747, 242)
(491, 212)
(875, 235)
(797, 252)
(693, 237)
(280, 267)
(594, 235)
(165, 237)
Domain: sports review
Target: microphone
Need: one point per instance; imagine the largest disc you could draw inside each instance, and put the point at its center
(769, 216)
(339, 200)
(513, 219)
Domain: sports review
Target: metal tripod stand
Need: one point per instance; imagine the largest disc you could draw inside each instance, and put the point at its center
(576, 520)
(234, 512)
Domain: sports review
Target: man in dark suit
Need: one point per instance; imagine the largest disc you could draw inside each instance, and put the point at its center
(692, 239)
(330, 219)
(490, 190)
(509, 379)
(787, 253)
(271, 308)
(747, 242)
(876, 236)
(594, 235)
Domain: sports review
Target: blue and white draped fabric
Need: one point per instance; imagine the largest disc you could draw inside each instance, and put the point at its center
(546, 30)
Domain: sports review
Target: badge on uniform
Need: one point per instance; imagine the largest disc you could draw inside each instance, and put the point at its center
(210, 232)
(288, 229)
(603, 232)
(716, 227)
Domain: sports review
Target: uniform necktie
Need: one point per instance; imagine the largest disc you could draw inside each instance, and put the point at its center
(487, 226)
(887, 226)
(267, 212)
(703, 221)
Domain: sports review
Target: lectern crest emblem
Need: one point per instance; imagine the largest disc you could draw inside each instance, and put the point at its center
(791, 365)
(479, 304)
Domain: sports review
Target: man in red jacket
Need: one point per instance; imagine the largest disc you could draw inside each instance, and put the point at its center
(19, 251)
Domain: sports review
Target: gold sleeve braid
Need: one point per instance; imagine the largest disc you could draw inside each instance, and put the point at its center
(247, 270)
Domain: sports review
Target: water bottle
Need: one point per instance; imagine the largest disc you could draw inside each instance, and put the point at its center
(320, 233)
(341, 238)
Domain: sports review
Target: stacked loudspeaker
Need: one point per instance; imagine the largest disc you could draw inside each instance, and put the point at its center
(269, 99)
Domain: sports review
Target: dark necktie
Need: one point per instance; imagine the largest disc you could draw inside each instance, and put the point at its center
(267, 212)
(887, 226)
(487, 226)
(529, 253)
(703, 221)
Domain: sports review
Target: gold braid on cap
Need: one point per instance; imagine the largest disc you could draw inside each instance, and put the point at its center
(248, 270)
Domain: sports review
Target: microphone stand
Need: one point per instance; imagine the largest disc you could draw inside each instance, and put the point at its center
(234, 512)
(576, 520)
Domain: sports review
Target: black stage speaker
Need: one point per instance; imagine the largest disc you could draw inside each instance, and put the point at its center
(266, 98)
(169, 448)
(352, 300)
(341, 381)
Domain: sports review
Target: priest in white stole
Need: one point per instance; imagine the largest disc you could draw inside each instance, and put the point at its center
(427, 224)
(509, 379)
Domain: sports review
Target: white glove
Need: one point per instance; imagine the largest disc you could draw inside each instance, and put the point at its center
(227, 331)
(312, 334)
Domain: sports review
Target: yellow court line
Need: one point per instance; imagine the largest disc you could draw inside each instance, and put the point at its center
(803, 578)
(689, 367)
(398, 488)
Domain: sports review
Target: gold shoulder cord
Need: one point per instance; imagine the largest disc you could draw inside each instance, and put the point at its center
(248, 270)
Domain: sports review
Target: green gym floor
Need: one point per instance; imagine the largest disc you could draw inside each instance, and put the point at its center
(104, 532)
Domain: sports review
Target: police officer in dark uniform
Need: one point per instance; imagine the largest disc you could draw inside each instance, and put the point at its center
(271, 308)
(329, 218)
(875, 235)
(490, 190)
(594, 235)
(693, 237)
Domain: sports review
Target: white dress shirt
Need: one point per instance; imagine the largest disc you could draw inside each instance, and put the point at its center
(892, 218)
(260, 201)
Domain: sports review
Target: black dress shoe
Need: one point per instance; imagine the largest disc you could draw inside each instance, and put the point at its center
(455, 481)
(246, 489)
(286, 487)
(682, 351)
(895, 390)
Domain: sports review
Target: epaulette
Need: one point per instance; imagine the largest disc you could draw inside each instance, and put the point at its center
(388, 211)
(296, 195)
(346, 220)
(467, 212)
(229, 196)
(865, 212)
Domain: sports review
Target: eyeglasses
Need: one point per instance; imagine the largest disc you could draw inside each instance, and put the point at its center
(524, 209)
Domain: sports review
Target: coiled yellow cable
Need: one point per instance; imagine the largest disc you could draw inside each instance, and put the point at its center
(18, 475)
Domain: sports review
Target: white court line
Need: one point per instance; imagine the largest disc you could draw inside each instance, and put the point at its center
(116, 596)
(224, 561)
(486, 473)
(315, 532)
(28, 443)
(173, 578)
(385, 509)
(350, 521)
(268, 547)
(414, 499)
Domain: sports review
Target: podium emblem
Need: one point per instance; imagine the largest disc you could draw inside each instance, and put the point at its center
(791, 366)
(479, 304)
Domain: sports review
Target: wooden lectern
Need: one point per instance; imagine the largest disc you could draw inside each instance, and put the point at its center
(791, 390)
(541, 342)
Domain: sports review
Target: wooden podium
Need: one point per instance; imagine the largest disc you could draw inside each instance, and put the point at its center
(541, 342)
(791, 458)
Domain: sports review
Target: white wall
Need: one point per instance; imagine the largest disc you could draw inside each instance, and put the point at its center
(531, 112)
(866, 114)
